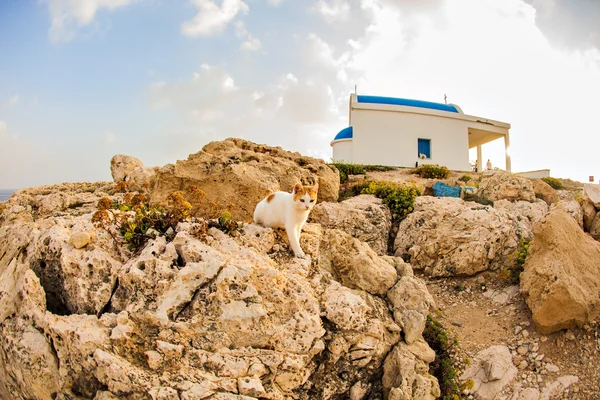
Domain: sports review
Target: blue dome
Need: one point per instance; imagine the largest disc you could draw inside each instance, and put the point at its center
(345, 133)
(407, 102)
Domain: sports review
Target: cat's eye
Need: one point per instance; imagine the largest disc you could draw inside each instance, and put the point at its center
(302, 200)
(312, 201)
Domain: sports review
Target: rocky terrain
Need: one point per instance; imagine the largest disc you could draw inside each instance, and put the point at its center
(207, 313)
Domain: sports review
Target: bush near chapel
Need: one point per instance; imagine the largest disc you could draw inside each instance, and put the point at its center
(358, 169)
(554, 183)
(431, 171)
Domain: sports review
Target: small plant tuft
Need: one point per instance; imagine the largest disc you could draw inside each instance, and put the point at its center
(465, 178)
(76, 204)
(512, 273)
(225, 224)
(555, 183)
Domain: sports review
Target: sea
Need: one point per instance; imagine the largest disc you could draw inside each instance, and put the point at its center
(5, 193)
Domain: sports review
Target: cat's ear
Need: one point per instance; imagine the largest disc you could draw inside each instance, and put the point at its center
(298, 188)
(315, 188)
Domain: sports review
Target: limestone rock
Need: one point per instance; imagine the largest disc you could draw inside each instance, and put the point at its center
(364, 217)
(545, 191)
(491, 370)
(203, 314)
(447, 236)
(355, 264)
(403, 376)
(121, 166)
(411, 304)
(498, 185)
(243, 173)
(560, 281)
(524, 214)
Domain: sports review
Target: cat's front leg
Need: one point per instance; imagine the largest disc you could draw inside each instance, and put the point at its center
(294, 239)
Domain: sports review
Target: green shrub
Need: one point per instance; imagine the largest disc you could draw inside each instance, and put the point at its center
(465, 178)
(358, 169)
(431, 171)
(442, 367)
(137, 221)
(399, 198)
(554, 182)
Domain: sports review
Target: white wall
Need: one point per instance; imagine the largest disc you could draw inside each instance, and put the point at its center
(342, 151)
(390, 138)
(540, 173)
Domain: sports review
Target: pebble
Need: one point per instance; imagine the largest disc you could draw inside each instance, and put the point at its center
(552, 368)
(569, 335)
(518, 329)
(523, 364)
(525, 333)
(544, 339)
(540, 357)
(458, 323)
(523, 349)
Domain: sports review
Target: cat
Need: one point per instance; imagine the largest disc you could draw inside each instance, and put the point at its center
(289, 211)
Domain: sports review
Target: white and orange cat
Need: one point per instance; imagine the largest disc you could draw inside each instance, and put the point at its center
(289, 211)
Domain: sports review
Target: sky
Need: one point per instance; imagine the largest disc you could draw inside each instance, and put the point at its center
(83, 80)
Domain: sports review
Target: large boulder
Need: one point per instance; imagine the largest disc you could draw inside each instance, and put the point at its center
(498, 185)
(545, 192)
(561, 278)
(364, 217)
(132, 170)
(122, 165)
(447, 236)
(241, 173)
(202, 314)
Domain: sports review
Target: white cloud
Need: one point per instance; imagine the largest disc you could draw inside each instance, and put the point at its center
(296, 113)
(333, 10)
(229, 84)
(251, 43)
(212, 18)
(275, 2)
(70, 15)
(14, 100)
(2, 127)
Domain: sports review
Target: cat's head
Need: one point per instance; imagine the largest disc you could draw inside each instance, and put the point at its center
(305, 197)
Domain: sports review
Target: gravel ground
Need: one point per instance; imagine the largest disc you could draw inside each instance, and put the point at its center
(483, 312)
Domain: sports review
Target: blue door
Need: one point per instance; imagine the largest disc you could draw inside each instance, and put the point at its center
(424, 147)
